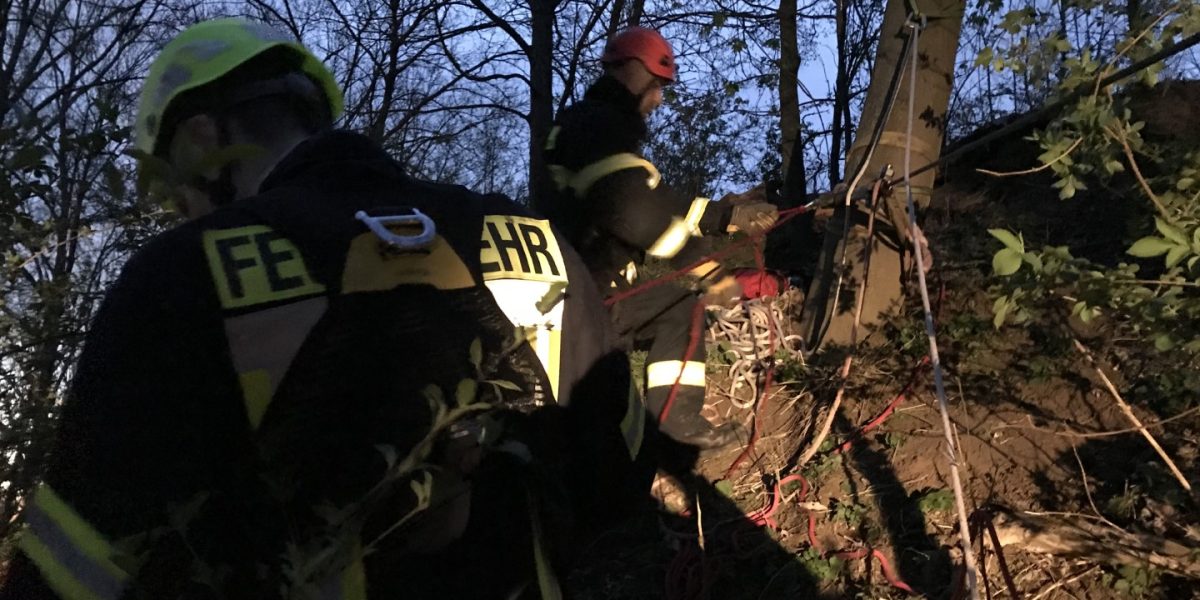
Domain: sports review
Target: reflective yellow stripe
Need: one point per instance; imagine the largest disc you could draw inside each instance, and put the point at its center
(552, 339)
(705, 269)
(256, 394)
(633, 424)
(583, 180)
(74, 558)
(694, 214)
(672, 240)
(60, 579)
(350, 585)
(666, 372)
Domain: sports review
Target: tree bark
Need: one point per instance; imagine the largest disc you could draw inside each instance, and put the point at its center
(841, 97)
(789, 100)
(824, 322)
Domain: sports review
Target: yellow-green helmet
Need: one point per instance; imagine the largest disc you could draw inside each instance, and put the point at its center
(205, 52)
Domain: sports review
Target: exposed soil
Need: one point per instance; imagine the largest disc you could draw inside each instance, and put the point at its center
(1014, 395)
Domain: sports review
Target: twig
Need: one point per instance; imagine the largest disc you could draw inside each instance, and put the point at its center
(1157, 282)
(1102, 434)
(1062, 582)
(1034, 169)
(1137, 172)
(1132, 417)
(699, 523)
(1087, 489)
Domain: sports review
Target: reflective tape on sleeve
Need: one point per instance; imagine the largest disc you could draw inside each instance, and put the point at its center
(695, 214)
(667, 372)
(583, 180)
(672, 240)
(75, 560)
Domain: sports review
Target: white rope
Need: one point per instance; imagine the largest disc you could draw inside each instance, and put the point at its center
(914, 232)
(746, 332)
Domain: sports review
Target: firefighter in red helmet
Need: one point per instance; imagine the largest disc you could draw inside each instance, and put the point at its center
(610, 202)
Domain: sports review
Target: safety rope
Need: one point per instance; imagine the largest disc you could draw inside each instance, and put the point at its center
(744, 331)
(930, 331)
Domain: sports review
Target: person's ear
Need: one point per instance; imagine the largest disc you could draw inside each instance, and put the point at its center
(195, 138)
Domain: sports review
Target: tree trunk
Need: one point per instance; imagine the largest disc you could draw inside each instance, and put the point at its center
(841, 97)
(615, 19)
(824, 322)
(541, 91)
(789, 100)
(636, 12)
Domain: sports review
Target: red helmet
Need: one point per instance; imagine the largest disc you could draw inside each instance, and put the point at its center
(645, 45)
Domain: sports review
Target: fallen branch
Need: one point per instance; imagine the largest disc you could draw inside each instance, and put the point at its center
(1082, 539)
(1132, 417)
(1033, 170)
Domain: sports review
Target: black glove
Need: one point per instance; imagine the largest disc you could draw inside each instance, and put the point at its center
(753, 218)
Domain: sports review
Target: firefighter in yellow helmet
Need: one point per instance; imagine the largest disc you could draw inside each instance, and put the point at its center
(335, 381)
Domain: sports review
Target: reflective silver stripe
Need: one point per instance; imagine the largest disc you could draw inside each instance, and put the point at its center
(64, 565)
(666, 372)
(581, 181)
(694, 214)
(672, 240)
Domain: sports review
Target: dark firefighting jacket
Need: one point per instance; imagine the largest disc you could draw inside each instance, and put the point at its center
(255, 375)
(610, 201)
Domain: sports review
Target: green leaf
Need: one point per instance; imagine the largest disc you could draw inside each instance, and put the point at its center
(1000, 308)
(1148, 247)
(553, 296)
(505, 385)
(1086, 315)
(1114, 166)
(1006, 262)
(1163, 342)
(984, 57)
(1034, 261)
(1176, 255)
(1196, 240)
(1068, 191)
(1170, 231)
(476, 353)
(725, 487)
(27, 157)
(1007, 238)
(1184, 183)
(464, 394)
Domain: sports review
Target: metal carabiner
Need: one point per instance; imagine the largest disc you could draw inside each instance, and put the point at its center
(378, 226)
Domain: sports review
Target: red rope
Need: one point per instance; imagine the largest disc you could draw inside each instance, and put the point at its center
(891, 407)
(784, 217)
(693, 342)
